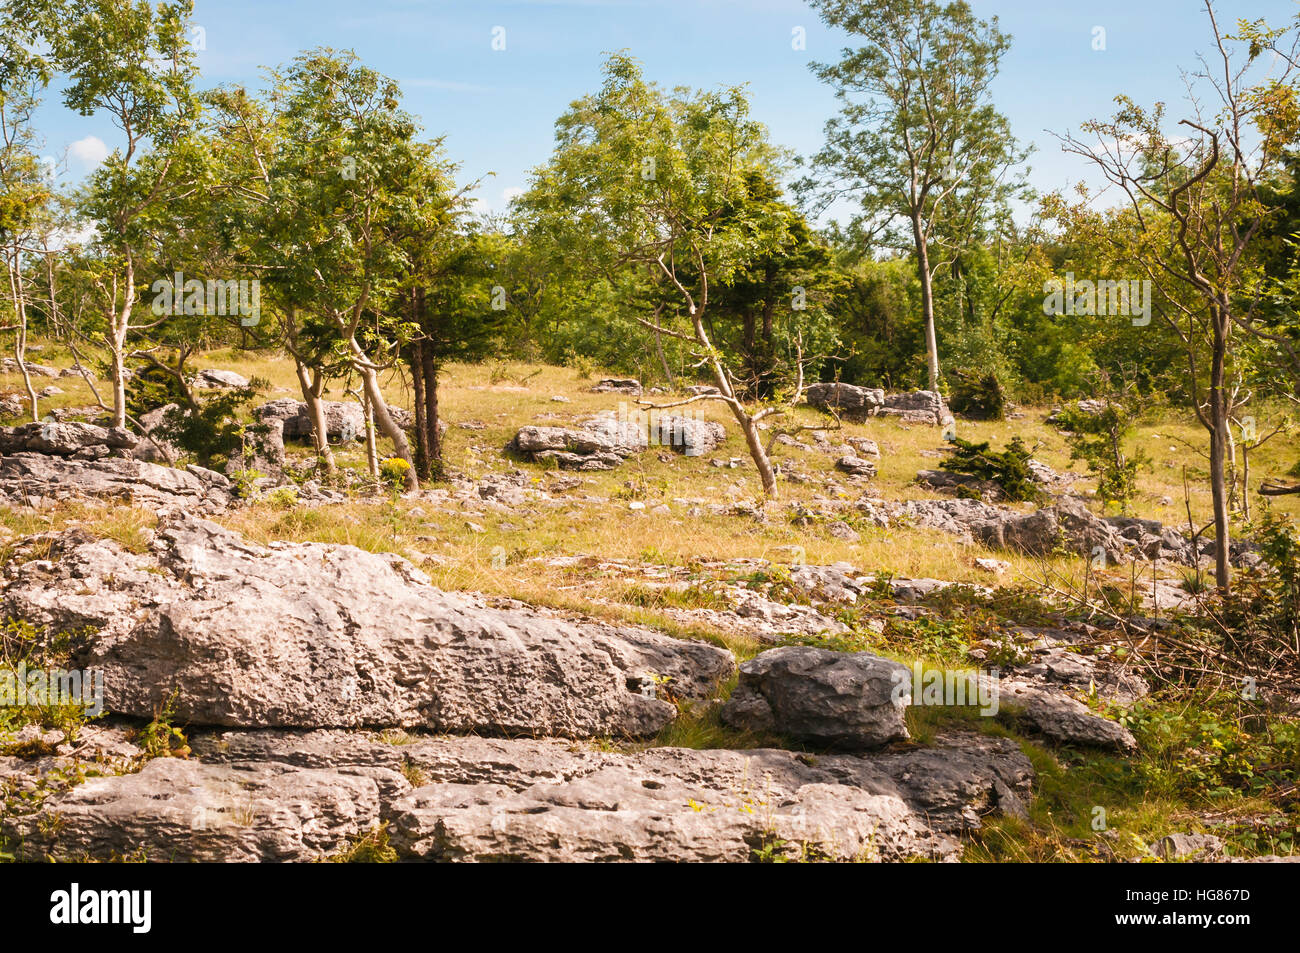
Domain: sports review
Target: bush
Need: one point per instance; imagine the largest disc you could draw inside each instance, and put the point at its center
(212, 432)
(1262, 616)
(1098, 439)
(1008, 468)
(979, 396)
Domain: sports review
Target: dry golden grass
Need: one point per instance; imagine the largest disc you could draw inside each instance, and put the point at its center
(501, 398)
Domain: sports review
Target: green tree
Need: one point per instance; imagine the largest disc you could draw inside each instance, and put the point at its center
(1194, 211)
(134, 63)
(658, 185)
(917, 140)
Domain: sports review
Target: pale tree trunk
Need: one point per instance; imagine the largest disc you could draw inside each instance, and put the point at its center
(379, 406)
(1219, 439)
(309, 382)
(927, 304)
(20, 339)
(372, 451)
(121, 324)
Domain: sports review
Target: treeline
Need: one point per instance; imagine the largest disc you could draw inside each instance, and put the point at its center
(666, 235)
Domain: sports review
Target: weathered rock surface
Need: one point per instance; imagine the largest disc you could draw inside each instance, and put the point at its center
(839, 699)
(855, 466)
(1200, 847)
(1064, 719)
(848, 400)
(680, 804)
(10, 366)
(212, 377)
(618, 385)
(277, 795)
(175, 810)
(921, 407)
(606, 440)
(313, 635)
(37, 479)
(66, 439)
(153, 448)
(1067, 524)
(343, 419)
(856, 404)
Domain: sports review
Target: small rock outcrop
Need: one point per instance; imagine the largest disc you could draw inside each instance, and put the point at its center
(84, 441)
(851, 402)
(344, 420)
(215, 378)
(857, 404)
(618, 385)
(843, 700)
(312, 635)
(34, 479)
(300, 796)
(605, 441)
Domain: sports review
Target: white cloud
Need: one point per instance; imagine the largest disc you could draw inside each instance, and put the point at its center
(82, 233)
(88, 152)
(510, 194)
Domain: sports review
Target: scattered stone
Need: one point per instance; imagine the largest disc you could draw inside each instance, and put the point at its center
(215, 378)
(10, 366)
(864, 447)
(842, 530)
(842, 700)
(618, 385)
(1200, 847)
(856, 466)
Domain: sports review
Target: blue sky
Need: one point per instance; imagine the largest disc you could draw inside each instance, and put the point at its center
(496, 108)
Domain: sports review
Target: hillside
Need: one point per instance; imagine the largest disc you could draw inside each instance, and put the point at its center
(610, 608)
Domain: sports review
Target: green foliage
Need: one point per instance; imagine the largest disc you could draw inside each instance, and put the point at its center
(1213, 745)
(160, 738)
(1262, 615)
(213, 432)
(976, 395)
(1099, 438)
(25, 647)
(150, 388)
(1008, 468)
(372, 847)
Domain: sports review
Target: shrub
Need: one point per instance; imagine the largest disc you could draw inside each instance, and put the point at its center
(395, 470)
(976, 395)
(1008, 468)
(1098, 439)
